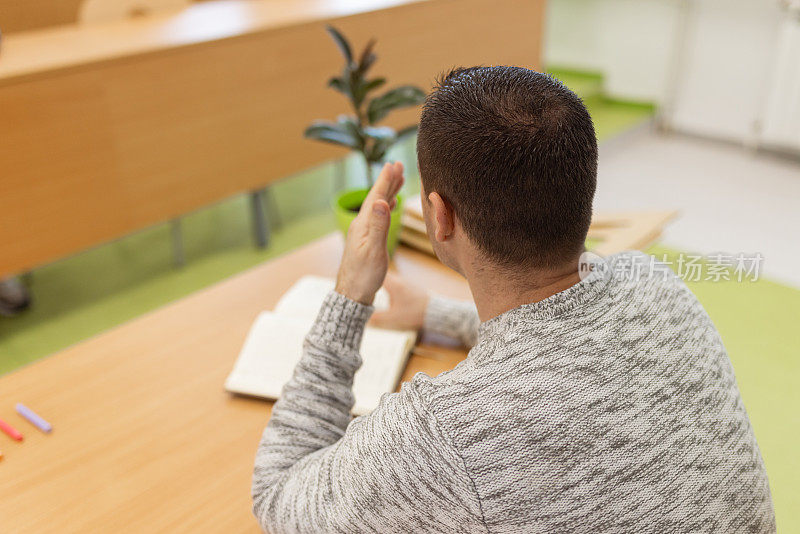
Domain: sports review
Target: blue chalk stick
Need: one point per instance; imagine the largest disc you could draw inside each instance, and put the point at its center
(33, 418)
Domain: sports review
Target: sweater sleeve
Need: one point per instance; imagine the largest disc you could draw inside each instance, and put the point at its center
(391, 471)
(452, 318)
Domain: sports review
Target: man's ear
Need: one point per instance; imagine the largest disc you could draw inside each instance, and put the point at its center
(443, 217)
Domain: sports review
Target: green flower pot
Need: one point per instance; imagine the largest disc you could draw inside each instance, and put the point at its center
(345, 202)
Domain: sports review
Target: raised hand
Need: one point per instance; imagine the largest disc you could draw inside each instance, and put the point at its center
(366, 258)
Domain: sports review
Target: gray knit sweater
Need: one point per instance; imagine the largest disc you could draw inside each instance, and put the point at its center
(609, 407)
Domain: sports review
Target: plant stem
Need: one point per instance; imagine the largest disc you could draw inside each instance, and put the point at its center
(360, 121)
(370, 178)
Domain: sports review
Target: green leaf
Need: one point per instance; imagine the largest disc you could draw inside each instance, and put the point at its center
(335, 133)
(364, 88)
(373, 84)
(377, 152)
(368, 58)
(341, 42)
(350, 124)
(337, 83)
(380, 133)
(355, 80)
(404, 96)
(381, 139)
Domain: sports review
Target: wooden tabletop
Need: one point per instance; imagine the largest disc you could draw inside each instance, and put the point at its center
(111, 128)
(145, 438)
(40, 51)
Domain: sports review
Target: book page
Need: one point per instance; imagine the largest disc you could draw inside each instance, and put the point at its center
(384, 354)
(274, 345)
(304, 298)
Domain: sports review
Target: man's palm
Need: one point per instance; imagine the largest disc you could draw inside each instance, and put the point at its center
(366, 259)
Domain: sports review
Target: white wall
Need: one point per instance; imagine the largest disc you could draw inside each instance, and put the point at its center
(780, 123)
(638, 44)
(724, 68)
(711, 64)
(571, 35)
(630, 41)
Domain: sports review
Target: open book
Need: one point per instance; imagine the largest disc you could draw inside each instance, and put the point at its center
(275, 344)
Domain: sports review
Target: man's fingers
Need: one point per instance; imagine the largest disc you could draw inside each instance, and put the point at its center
(399, 178)
(391, 177)
(397, 181)
(387, 183)
(385, 188)
(383, 185)
(379, 222)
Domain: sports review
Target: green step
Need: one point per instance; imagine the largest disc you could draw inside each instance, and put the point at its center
(611, 116)
(584, 84)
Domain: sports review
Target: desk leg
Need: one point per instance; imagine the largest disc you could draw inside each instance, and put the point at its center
(260, 228)
(178, 254)
(273, 213)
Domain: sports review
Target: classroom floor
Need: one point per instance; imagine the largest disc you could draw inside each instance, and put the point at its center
(723, 209)
(731, 200)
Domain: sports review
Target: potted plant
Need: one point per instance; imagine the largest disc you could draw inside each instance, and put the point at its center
(360, 131)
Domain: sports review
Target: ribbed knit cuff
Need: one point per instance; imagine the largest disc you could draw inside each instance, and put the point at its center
(341, 322)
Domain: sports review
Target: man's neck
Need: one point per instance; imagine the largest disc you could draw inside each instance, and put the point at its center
(498, 290)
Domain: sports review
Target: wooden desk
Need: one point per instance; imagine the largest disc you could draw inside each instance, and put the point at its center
(18, 16)
(145, 439)
(107, 129)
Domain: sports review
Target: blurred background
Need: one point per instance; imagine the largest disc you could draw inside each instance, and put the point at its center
(150, 148)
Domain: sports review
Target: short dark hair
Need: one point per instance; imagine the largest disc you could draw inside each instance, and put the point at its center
(514, 152)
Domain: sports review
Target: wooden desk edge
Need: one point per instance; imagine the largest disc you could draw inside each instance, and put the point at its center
(162, 45)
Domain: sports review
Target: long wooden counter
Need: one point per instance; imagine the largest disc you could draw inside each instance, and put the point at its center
(107, 129)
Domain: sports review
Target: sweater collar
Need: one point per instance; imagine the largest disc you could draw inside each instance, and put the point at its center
(589, 288)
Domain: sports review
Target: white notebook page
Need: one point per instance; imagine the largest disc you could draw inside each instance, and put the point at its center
(275, 343)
